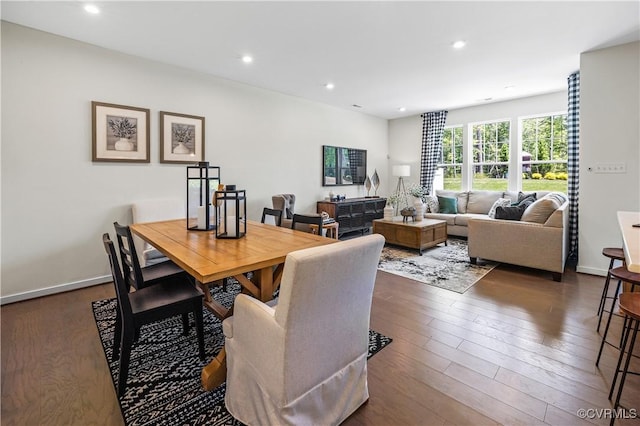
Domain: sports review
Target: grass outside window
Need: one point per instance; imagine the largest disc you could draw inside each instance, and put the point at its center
(497, 184)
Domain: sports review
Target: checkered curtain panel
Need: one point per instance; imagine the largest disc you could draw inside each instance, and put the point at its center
(432, 131)
(573, 141)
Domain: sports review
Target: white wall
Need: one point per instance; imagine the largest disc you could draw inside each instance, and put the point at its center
(56, 202)
(609, 133)
(405, 134)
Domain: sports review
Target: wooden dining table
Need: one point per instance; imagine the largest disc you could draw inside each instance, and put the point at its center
(209, 260)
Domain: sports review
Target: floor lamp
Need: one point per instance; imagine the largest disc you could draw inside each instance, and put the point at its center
(401, 171)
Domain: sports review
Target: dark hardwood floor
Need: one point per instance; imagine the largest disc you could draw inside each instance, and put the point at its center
(516, 348)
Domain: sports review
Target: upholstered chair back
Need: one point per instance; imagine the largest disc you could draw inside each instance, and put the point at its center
(286, 203)
(304, 361)
(154, 210)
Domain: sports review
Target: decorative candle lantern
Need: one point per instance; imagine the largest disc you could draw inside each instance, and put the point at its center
(201, 180)
(231, 212)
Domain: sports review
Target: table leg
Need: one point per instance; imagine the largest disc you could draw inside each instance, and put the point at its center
(265, 279)
(215, 373)
(210, 303)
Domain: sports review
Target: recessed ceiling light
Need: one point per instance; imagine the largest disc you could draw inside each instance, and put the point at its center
(402, 109)
(459, 44)
(356, 106)
(91, 8)
(329, 86)
(509, 87)
(247, 59)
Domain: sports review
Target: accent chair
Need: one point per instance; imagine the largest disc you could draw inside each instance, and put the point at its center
(286, 203)
(303, 360)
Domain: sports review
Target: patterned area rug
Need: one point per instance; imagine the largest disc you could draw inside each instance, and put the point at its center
(164, 373)
(446, 267)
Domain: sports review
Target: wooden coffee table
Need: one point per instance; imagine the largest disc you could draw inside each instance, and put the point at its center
(417, 235)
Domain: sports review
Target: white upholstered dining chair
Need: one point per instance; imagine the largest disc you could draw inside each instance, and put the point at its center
(304, 360)
(153, 210)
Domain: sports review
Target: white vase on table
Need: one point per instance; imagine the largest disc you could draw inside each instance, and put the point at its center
(419, 206)
(388, 212)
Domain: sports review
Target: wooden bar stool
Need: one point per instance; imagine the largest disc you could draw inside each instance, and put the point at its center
(613, 253)
(622, 274)
(630, 306)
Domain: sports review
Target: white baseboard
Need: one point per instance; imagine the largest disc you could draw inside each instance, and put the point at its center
(55, 289)
(591, 271)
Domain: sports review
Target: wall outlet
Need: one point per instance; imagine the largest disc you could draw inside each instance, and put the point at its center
(611, 168)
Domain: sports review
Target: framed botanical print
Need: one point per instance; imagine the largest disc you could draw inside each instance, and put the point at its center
(120, 133)
(181, 138)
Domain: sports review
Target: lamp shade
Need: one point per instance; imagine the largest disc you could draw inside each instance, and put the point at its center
(403, 170)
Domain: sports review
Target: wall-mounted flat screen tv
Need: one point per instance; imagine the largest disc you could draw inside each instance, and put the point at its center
(343, 166)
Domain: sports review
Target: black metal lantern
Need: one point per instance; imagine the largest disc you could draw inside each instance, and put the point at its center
(202, 179)
(231, 212)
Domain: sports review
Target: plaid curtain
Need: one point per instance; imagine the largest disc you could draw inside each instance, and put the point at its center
(573, 140)
(432, 131)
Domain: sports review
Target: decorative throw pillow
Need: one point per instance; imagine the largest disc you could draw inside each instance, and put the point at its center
(559, 197)
(509, 212)
(513, 212)
(500, 202)
(540, 211)
(522, 197)
(447, 205)
(432, 204)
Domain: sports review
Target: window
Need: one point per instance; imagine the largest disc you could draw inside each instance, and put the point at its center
(487, 164)
(544, 153)
(490, 147)
(451, 158)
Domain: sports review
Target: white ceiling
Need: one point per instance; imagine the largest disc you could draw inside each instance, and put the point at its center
(380, 55)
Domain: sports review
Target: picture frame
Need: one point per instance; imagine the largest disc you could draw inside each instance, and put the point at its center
(120, 133)
(181, 138)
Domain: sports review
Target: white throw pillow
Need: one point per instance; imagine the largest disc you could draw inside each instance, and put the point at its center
(432, 204)
(500, 202)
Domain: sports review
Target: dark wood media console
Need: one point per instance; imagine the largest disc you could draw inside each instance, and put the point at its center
(354, 214)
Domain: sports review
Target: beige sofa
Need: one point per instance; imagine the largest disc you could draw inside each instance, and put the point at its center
(535, 245)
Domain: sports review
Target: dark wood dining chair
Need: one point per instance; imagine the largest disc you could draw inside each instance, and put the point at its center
(299, 219)
(136, 276)
(276, 214)
(150, 304)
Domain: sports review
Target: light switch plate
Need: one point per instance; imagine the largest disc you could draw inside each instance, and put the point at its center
(611, 168)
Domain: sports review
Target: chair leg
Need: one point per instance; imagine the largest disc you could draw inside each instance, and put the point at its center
(625, 338)
(185, 324)
(606, 330)
(626, 364)
(125, 357)
(117, 336)
(603, 298)
(197, 312)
